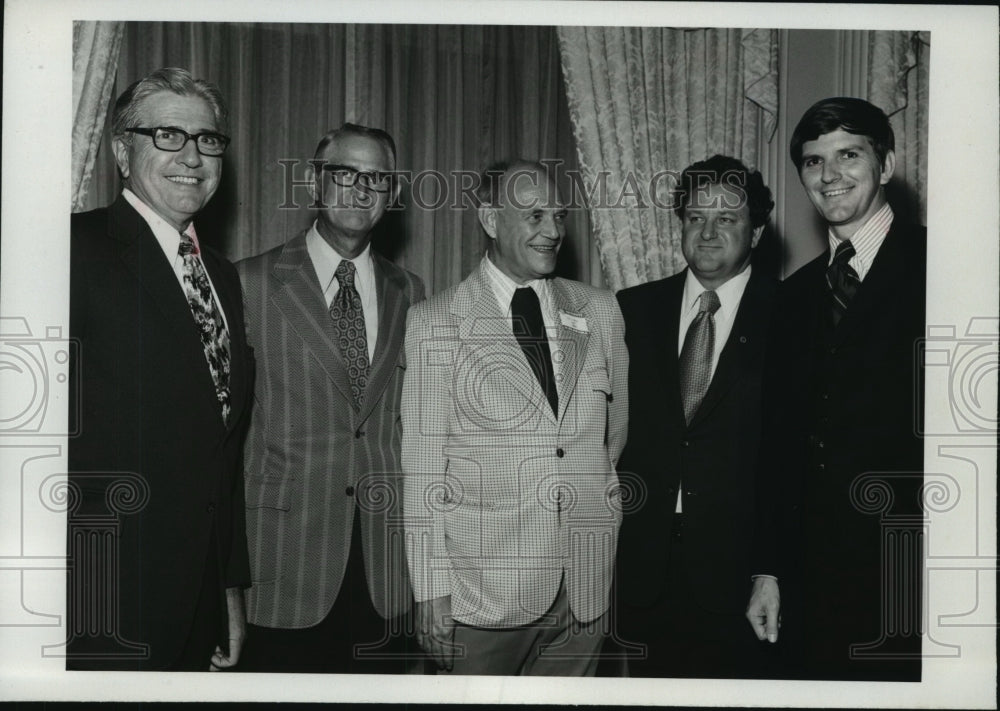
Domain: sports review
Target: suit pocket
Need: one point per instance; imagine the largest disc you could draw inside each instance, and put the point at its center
(264, 493)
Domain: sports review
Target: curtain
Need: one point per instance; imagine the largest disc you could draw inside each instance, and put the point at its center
(898, 78)
(95, 59)
(455, 98)
(646, 102)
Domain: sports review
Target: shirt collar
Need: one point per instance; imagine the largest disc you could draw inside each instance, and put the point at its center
(866, 240)
(326, 259)
(729, 293)
(165, 233)
(504, 287)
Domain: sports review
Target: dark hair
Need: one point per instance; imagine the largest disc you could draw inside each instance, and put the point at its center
(125, 115)
(495, 177)
(747, 186)
(852, 115)
(383, 138)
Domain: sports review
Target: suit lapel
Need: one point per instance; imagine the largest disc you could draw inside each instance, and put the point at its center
(877, 288)
(300, 300)
(144, 258)
(392, 305)
(572, 341)
(486, 328)
(746, 339)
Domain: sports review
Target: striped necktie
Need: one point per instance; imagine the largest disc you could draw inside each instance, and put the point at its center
(842, 280)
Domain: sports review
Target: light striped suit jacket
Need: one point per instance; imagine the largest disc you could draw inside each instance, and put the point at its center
(311, 456)
(502, 499)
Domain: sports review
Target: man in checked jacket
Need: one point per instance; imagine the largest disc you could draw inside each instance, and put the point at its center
(514, 414)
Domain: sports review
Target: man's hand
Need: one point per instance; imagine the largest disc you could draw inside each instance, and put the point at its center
(237, 613)
(764, 608)
(436, 630)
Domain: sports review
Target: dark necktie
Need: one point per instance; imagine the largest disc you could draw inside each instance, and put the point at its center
(842, 280)
(208, 318)
(696, 355)
(529, 329)
(349, 322)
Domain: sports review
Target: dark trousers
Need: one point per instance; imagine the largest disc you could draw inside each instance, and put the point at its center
(352, 639)
(209, 628)
(683, 639)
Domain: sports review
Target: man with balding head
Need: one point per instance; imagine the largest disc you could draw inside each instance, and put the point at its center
(514, 414)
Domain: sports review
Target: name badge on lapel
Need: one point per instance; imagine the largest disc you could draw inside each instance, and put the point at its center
(577, 323)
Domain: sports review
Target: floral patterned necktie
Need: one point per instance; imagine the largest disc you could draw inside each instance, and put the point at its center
(208, 318)
(349, 323)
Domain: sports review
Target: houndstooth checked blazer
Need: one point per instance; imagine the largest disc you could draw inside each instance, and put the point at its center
(312, 457)
(501, 499)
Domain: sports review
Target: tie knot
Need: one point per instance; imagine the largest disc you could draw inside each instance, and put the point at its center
(845, 250)
(523, 296)
(345, 273)
(709, 302)
(187, 245)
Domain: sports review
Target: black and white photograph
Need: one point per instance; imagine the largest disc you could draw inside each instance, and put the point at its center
(620, 344)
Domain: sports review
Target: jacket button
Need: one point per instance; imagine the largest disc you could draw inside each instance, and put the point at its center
(359, 434)
(822, 467)
(685, 443)
(609, 397)
(210, 508)
(349, 491)
(560, 453)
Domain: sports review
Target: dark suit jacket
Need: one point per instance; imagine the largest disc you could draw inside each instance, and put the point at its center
(840, 413)
(714, 457)
(313, 457)
(150, 419)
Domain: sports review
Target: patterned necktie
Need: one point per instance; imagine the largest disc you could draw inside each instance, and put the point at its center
(349, 322)
(208, 318)
(696, 355)
(529, 330)
(842, 280)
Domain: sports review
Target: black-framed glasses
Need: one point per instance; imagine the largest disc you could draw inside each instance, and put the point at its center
(173, 139)
(348, 177)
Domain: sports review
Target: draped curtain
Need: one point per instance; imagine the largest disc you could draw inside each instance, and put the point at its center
(455, 98)
(95, 61)
(644, 100)
(898, 78)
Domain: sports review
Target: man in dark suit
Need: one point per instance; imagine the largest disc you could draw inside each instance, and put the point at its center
(696, 345)
(164, 382)
(326, 316)
(841, 461)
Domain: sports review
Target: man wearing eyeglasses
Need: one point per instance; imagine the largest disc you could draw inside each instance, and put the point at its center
(162, 394)
(326, 316)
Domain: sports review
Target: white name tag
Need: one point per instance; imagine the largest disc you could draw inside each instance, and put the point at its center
(577, 323)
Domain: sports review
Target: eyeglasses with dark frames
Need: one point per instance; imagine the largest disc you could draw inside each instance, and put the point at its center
(173, 139)
(348, 177)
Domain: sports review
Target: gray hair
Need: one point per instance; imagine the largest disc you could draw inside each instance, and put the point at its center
(126, 112)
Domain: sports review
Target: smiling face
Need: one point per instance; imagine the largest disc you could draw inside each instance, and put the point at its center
(175, 185)
(527, 228)
(843, 178)
(717, 236)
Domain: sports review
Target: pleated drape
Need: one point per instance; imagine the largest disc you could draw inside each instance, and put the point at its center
(455, 98)
(646, 102)
(95, 61)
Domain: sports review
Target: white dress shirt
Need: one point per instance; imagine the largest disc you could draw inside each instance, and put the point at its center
(504, 288)
(730, 294)
(866, 241)
(325, 261)
(169, 240)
